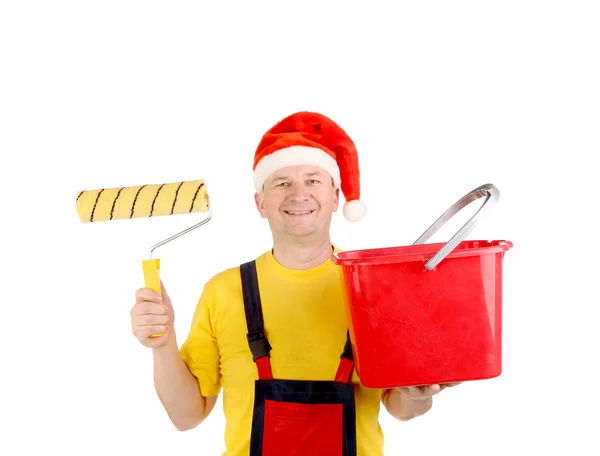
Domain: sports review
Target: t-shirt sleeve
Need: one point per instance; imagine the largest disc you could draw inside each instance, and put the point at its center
(200, 351)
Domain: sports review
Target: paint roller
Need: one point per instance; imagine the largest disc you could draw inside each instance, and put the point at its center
(156, 200)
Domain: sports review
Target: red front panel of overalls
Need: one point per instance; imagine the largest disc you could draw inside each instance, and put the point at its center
(302, 429)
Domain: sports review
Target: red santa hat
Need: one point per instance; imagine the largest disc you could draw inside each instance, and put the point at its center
(308, 138)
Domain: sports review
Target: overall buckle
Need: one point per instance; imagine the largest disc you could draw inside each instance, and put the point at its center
(348, 354)
(259, 345)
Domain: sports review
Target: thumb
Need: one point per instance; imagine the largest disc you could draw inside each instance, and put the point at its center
(163, 291)
(166, 300)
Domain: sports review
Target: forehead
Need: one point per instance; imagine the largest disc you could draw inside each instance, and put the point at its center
(300, 171)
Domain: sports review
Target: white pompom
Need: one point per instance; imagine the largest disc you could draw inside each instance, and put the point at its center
(354, 210)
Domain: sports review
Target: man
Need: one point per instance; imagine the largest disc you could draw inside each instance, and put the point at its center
(273, 333)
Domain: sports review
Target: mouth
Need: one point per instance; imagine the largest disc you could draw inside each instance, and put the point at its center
(299, 213)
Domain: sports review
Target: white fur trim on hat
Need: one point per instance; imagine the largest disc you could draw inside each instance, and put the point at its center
(295, 156)
(354, 210)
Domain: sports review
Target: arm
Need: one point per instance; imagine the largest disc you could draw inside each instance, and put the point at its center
(178, 389)
(177, 373)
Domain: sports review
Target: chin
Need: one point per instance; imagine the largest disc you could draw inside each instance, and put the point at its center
(301, 231)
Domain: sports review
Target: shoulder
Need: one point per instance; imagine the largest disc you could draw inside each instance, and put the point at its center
(226, 280)
(222, 296)
(221, 286)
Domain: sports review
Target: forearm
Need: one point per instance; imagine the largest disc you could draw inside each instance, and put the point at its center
(177, 388)
(402, 407)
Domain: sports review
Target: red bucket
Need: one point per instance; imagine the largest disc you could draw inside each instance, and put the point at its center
(417, 320)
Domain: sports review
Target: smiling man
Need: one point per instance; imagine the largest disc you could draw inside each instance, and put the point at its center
(272, 333)
(290, 213)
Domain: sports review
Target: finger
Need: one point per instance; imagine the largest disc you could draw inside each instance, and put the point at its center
(147, 294)
(148, 308)
(154, 342)
(417, 392)
(157, 340)
(433, 389)
(424, 391)
(449, 385)
(163, 289)
(144, 332)
(151, 320)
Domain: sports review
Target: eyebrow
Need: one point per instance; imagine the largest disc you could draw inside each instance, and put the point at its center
(314, 173)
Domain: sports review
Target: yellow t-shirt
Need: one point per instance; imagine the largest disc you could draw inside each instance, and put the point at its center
(305, 322)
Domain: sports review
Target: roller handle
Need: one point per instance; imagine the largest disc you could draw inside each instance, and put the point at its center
(151, 270)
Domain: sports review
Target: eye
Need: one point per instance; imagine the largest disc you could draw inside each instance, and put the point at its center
(314, 181)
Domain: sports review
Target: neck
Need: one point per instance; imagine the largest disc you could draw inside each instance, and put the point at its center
(302, 255)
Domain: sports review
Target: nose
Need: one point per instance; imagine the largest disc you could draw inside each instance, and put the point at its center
(299, 192)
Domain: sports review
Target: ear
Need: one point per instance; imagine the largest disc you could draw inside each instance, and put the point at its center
(336, 199)
(259, 199)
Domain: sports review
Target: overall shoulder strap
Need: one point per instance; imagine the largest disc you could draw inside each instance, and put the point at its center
(257, 340)
(344, 372)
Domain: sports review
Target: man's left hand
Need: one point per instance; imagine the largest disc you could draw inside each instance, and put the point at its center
(422, 393)
(405, 403)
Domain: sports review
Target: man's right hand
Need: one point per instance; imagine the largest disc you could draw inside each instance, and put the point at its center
(152, 315)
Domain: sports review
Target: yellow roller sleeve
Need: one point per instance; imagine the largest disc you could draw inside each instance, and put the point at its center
(142, 201)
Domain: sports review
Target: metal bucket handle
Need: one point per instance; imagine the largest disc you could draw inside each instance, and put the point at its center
(491, 195)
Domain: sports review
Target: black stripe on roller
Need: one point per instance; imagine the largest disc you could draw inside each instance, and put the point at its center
(175, 200)
(134, 201)
(80, 193)
(155, 196)
(95, 203)
(195, 195)
(112, 209)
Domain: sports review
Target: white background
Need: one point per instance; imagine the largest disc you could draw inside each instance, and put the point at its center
(439, 97)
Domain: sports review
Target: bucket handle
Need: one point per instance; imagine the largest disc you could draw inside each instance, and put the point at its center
(491, 195)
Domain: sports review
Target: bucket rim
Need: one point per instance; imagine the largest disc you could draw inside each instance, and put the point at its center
(386, 255)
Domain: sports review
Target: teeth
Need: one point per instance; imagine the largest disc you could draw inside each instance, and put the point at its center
(299, 213)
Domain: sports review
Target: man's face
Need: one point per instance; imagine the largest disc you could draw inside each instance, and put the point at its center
(298, 200)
